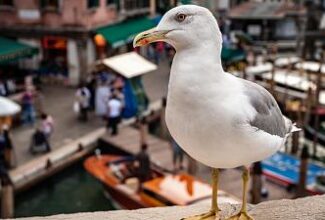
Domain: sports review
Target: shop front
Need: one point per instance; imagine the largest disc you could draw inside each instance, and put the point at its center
(54, 63)
(12, 76)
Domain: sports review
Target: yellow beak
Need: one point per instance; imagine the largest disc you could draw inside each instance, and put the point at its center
(148, 37)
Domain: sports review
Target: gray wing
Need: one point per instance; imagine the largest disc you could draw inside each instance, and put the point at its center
(269, 117)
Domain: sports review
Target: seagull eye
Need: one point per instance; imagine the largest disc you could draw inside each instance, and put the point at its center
(180, 17)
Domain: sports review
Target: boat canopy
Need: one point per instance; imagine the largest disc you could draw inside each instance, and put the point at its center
(129, 64)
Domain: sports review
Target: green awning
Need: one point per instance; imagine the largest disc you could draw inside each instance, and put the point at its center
(11, 50)
(124, 32)
(186, 2)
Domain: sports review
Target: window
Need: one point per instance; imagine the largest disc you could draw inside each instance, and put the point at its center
(113, 2)
(92, 3)
(136, 4)
(50, 4)
(142, 3)
(7, 3)
(145, 3)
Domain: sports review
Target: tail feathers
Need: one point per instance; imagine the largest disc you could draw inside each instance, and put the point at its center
(290, 127)
(294, 128)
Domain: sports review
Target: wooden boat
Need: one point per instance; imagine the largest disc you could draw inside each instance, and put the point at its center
(160, 190)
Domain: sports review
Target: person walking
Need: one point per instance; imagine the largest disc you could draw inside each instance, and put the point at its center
(114, 109)
(143, 165)
(103, 93)
(38, 141)
(91, 85)
(28, 110)
(9, 153)
(47, 127)
(3, 162)
(83, 98)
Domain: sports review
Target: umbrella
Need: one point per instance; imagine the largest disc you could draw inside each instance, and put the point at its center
(8, 107)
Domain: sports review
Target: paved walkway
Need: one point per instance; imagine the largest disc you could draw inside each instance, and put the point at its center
(58, 102)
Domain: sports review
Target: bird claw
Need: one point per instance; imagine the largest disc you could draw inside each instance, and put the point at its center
(211, 215)
(241, 216)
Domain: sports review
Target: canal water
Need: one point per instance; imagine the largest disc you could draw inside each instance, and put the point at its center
(70, 191)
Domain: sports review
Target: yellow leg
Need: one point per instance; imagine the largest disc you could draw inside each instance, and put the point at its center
(213, 214)
(243, 215)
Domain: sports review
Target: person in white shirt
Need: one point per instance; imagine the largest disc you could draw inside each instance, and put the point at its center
(114, 110)
(47, 128)
(102, 94)
(83, 97)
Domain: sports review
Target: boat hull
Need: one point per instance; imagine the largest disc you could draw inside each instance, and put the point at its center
(123, 200)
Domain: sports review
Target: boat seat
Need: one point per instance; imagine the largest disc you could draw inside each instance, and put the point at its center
(132, 183)
(125, 188)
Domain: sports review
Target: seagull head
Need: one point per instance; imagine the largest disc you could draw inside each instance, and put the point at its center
(184, 26)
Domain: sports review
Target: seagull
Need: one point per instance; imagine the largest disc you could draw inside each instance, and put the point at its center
(220, 120)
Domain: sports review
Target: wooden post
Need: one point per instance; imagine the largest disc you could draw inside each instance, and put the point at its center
(272, 86)
(48, 163)
(80, 147)
(295, 143)
(316, 121)
(7, 200)
(301, 190)
(143, 128)
(256, 182)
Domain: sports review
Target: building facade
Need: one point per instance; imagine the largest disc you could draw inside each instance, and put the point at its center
(64, 30)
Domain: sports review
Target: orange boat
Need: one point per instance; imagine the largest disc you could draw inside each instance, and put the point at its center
(161, 190)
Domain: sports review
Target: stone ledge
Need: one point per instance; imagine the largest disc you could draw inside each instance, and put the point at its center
(309, 208)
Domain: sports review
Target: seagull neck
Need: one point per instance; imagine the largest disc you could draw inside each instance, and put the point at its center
(205, 52)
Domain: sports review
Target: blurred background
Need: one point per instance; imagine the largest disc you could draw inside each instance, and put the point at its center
(82, 112)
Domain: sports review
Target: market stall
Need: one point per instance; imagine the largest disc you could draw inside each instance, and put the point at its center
(131, 66)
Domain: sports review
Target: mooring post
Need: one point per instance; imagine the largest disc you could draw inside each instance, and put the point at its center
(143, 128)
(295, 143)
(48, 163)
(7, 199)
(80, 147)
(301, 190)
(257, 173)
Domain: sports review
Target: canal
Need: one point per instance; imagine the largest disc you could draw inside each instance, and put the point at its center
(70, 191)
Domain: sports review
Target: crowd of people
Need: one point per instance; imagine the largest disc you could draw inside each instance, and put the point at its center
(32, 116)
(102, 94)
